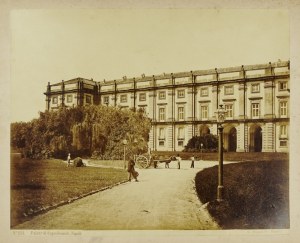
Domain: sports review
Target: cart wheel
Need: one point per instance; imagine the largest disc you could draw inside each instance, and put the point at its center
(142, 161)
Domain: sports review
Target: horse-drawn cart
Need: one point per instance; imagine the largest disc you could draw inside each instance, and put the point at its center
(145, 161)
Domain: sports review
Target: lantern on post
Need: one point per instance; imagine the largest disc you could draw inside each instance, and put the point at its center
(220, 120)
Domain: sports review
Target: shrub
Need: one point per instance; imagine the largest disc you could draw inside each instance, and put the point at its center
(77, 162)
(209, 141)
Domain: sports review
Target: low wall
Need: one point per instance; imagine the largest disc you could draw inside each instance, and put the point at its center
(229, 156)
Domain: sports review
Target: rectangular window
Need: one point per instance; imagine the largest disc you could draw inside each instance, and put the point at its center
(54, 100)
(283, 131)
(123, 98)
(143, 109)
(180, 133)
(106, 100)
(283, 108)
(162, 115)
(203, 92)
(229, 109)
(255, 110)
(69, 98)
(180, 143)
(142, 97)
(88, 99)
(283, 143)
(255, 88)
(161, 143)
(180, 93)
(204, 112)
(161, 133)
(282, 86)
(162, 95)
(228, 90)
(180, 113)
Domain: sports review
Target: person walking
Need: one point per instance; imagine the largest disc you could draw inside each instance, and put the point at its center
(178, 161)
(131, 170)
(193, 161)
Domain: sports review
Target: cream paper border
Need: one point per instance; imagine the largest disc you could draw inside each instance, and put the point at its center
(7, 235)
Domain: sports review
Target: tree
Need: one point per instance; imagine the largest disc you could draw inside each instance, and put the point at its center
(82, 131)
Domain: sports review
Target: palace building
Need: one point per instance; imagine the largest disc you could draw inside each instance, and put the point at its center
(182, 105)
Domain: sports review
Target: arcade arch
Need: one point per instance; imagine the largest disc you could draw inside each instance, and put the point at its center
(230, 138)
(255, 138)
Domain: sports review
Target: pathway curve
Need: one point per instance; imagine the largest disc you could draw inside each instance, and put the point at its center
(162, 199)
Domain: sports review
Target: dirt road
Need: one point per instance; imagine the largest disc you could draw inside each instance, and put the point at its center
(162, 199)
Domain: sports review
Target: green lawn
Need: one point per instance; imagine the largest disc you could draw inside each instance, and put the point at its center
(39, 183)
(256, 194)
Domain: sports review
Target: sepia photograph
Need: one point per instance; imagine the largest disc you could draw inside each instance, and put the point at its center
(150, 120)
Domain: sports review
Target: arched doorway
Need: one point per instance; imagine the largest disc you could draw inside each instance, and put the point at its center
(230, 139)
(255, 139)
(204, 130)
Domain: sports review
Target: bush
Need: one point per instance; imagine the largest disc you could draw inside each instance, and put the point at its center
(256, 194)
(77, 162)
(209, 141)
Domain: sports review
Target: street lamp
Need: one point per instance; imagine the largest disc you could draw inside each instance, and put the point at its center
(124, 143)
(220, 119)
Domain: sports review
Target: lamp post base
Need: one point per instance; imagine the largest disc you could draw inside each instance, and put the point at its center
(220, 193)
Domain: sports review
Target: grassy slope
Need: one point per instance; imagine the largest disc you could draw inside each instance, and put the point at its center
(46, 182)
(256, 194)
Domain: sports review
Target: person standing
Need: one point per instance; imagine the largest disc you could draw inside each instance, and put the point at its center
(69, 159)
(193, 161)
(131, 170)
(178, 161)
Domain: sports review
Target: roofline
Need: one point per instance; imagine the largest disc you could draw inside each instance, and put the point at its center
(182, 74)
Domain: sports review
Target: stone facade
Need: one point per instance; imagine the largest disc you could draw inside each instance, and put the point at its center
(182, 105)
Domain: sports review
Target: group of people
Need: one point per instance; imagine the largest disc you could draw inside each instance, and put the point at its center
(132, 173)
(178, 159)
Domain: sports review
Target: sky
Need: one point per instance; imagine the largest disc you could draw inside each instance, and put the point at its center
(54, 45)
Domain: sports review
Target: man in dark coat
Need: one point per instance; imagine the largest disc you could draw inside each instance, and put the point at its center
(131, 170)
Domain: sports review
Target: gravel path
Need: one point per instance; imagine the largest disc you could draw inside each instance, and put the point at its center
(163, 199)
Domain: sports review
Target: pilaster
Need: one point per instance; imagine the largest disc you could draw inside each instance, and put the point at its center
(170, 138)
(241, 101)
(190, 105)
(268, 99)
(240, 137)
(152, 105)
(214, 100)
(189, 133)
(268, 137)
(170, 109)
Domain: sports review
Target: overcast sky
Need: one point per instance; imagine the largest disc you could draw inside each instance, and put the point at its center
(54, 45)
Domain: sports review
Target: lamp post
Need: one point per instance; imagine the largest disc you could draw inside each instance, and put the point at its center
(220, 119)
(124, 143)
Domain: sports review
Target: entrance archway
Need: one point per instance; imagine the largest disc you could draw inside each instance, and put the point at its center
(230, 139)
(255, 139)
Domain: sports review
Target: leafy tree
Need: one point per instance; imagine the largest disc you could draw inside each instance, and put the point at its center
(82, 131)
(18, 134)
